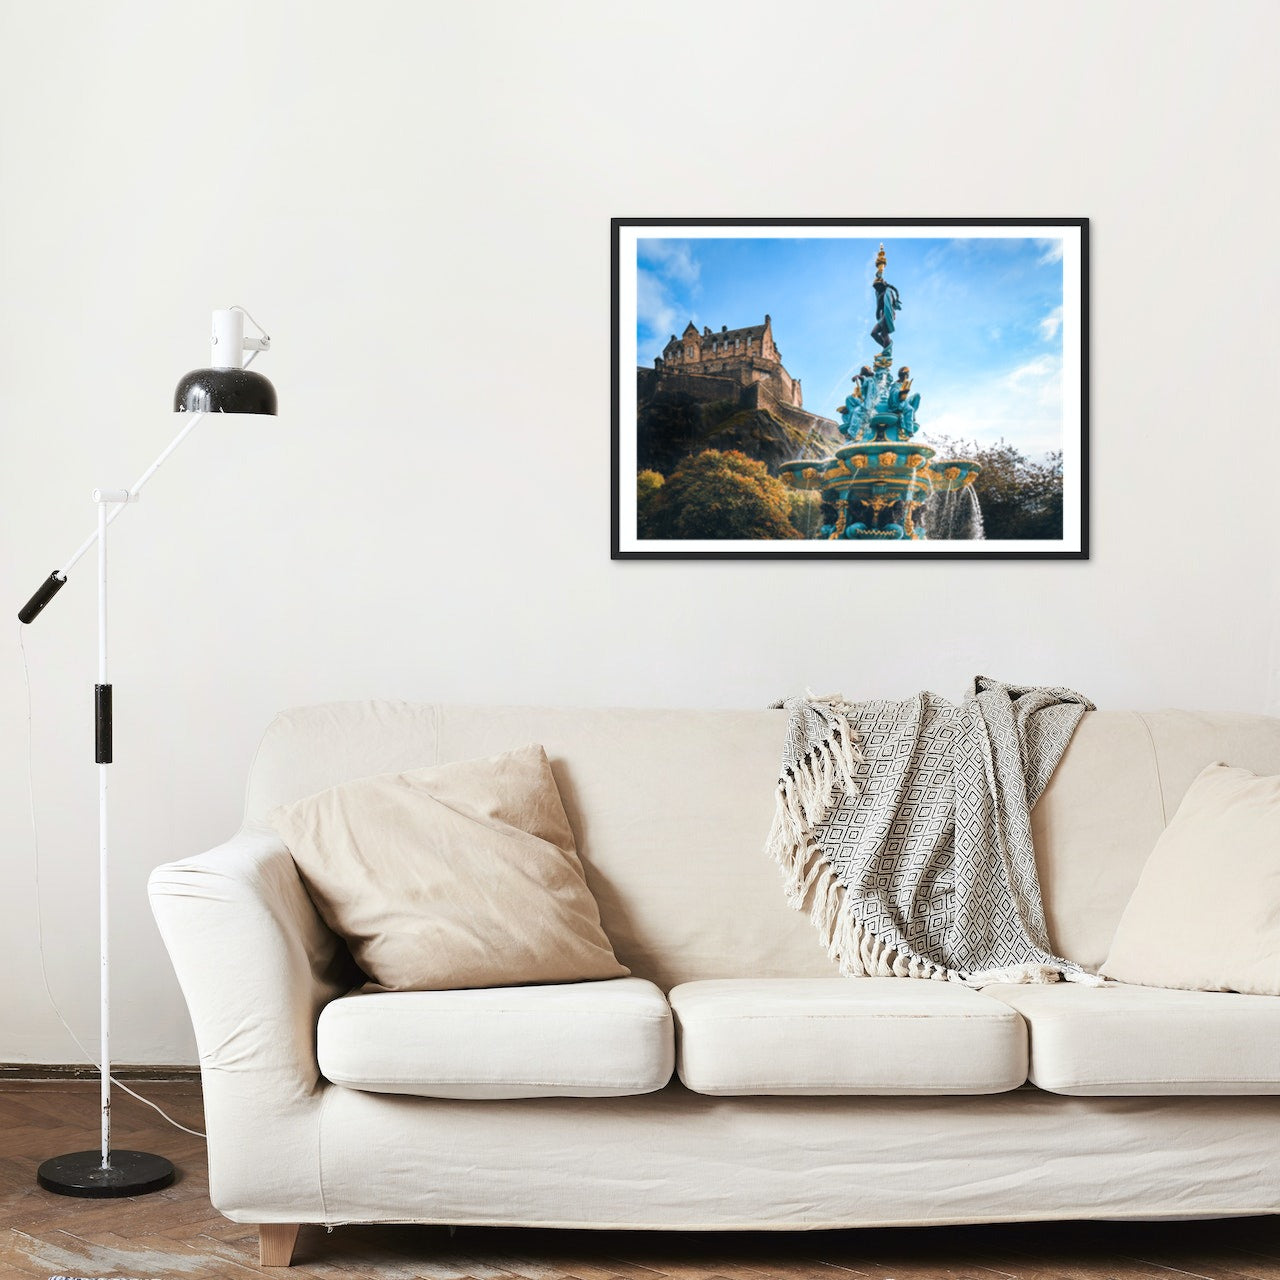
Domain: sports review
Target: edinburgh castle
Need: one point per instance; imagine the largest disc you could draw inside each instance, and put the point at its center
(725, 390)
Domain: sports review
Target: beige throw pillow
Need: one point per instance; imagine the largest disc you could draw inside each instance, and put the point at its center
(461, 875)
(1206, 912)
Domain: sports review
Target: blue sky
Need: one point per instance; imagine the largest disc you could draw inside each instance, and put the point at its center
(980, 325)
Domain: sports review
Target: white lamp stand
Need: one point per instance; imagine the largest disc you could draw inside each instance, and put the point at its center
(226, 387)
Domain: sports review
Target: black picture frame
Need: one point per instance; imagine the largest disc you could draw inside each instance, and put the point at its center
(624, 543)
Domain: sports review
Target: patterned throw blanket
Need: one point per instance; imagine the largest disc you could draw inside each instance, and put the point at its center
(905, 827)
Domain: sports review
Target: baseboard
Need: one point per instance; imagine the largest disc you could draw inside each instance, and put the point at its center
(37, 1071)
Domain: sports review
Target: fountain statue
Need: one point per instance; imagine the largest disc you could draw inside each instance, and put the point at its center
(883, 485)
(903, 402)
(887, 302)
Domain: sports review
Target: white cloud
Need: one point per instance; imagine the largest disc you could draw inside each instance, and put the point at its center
(1023, 406)
(1050, 251)
(656, 314)
(1050, 325)
(671, 259)
(667, 268)
(1033, 370)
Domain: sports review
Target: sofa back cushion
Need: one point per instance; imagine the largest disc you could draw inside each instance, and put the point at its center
(1206, 913)
(670, 810)
(1117, 787)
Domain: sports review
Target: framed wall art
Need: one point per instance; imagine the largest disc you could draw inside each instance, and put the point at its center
(850, 388)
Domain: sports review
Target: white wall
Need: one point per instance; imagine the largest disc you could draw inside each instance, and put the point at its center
(415, 198)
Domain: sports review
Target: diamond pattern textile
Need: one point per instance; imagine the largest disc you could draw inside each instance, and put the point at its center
(905, 829)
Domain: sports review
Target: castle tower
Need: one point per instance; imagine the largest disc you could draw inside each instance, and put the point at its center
(692, 341)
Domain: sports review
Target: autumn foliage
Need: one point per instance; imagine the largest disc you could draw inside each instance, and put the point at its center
(715, 494)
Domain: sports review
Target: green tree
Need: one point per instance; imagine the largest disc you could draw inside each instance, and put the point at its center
(1019, 498)
(648, 483)
(718, 495)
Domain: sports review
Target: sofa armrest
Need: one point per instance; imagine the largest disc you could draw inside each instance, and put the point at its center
(256, 965)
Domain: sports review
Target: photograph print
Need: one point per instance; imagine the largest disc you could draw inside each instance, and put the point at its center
(850, 388)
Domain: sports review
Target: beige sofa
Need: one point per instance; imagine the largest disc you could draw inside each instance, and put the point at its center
(800, 1099)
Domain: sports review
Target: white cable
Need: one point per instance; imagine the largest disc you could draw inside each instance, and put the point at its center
(255, 324)
(44, 975)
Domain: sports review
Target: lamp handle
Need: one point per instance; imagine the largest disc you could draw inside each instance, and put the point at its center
(43, 594)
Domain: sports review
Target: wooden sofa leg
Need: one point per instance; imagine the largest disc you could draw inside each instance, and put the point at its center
(275, 1243)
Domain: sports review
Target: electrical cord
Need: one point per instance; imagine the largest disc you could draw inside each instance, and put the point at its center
(44, 975)
(244, 312)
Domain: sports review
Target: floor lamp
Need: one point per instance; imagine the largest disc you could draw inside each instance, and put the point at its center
(227, 387)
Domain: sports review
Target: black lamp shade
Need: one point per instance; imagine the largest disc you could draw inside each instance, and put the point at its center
(224, 391)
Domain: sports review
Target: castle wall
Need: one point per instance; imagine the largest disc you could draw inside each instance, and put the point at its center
(702, 387)
(746, 370)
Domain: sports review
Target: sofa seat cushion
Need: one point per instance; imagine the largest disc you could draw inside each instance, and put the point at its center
(1126, 1041)
(845, 1036)
(576, 1040)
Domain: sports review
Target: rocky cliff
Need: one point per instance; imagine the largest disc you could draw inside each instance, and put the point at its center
(676, 421)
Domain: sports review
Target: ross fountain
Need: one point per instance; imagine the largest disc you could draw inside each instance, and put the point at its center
(883, 484)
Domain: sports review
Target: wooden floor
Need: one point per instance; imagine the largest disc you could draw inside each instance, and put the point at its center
(175, 1233)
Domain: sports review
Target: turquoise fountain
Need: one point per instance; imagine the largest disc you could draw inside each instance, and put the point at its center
(884, 485)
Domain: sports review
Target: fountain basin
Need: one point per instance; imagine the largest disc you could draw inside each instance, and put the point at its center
(805, 473)
(953, 473)
(881, 473)
(884, 456)
(890, 532)
(887, 425)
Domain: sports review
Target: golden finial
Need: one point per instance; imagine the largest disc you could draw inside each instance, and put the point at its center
(880, 261)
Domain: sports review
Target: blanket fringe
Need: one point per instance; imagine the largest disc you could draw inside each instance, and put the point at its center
(806, 792)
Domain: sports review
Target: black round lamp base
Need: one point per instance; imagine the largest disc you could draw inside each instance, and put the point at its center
(130, 1173)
